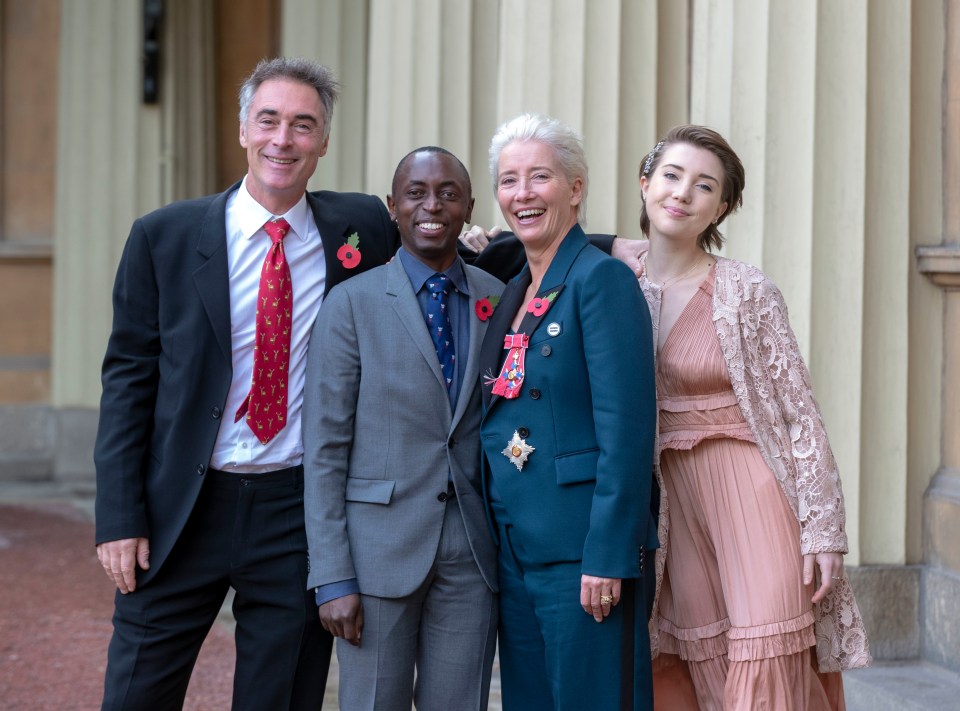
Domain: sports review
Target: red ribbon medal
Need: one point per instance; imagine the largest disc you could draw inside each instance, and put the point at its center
(510, 380)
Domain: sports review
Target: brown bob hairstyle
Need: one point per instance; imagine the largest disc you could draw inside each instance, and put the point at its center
(733, 175)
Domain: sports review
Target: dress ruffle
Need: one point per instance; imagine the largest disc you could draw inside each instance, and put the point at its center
(686, 421)
(740, 644)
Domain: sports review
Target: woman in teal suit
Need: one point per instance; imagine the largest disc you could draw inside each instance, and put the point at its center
(568, 431)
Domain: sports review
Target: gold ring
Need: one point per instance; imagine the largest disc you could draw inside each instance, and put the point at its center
(606, 599)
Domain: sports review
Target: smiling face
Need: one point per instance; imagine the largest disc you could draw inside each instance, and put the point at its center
(283, 135)
(537, 200)
(430, 202)
(683, 195)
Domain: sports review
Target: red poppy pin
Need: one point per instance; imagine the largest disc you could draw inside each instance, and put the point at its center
(349, 253)
(538, 305)
(485, 306)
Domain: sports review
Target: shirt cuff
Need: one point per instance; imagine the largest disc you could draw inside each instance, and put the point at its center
(332, 591)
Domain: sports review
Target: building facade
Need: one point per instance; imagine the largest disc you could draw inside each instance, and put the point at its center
(846, 115)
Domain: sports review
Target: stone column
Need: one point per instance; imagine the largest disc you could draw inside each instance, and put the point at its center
(335, 33)
(103, 133)
(116, 159)
(615, 70)
(188, 101)
(941, 264)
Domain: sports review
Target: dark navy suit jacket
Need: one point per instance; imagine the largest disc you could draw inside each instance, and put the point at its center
(588, 407)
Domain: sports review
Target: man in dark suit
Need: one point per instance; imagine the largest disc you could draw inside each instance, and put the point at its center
(199, 453)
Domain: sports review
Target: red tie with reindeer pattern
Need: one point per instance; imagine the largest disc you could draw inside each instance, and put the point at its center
(266, 405)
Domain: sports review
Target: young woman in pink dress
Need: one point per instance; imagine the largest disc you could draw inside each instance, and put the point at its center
(753, 609)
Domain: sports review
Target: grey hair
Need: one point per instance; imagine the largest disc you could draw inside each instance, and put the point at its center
(566, 143)
(305, 71)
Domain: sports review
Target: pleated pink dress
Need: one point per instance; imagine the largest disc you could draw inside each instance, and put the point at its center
(733, 605)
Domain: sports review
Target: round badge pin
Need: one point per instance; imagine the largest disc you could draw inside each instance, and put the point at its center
(553, 329)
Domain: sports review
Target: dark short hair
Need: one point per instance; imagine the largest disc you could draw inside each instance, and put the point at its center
(733, 175)
(430, 149)
(305, 71)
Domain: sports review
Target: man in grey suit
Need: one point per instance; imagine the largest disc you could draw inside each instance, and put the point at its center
(400, 551)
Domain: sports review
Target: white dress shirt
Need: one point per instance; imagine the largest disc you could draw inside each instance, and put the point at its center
(237, 449)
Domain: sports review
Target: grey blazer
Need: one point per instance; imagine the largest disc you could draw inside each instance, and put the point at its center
(379, 437)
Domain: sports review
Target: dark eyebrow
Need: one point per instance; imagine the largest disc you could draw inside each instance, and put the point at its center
(702, 175)
(298, 117)
(443, 184)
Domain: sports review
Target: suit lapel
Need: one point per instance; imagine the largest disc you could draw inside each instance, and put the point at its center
(408, 311)
(212, 278)
(471, 369)
(491, 352)
(334, 227)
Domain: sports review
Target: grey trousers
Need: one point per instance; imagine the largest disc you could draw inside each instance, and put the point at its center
(434, 647)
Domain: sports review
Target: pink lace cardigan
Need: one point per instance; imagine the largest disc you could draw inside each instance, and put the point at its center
(772, 385)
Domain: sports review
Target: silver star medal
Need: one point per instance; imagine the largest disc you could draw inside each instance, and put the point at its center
(517, 451)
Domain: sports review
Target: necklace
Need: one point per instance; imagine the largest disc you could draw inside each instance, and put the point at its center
(675, 279)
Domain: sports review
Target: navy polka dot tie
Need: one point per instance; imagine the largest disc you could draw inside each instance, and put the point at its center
(438, 323)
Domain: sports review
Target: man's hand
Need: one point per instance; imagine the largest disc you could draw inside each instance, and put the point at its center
(477, 238)
(343, 617)
(628, 251)
(121, 558)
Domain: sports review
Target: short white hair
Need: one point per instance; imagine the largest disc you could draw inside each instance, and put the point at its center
(566, 143)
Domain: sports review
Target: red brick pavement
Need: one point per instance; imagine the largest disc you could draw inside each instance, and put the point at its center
(55, 610)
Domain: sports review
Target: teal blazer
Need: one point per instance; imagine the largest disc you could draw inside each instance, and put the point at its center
(587, 406)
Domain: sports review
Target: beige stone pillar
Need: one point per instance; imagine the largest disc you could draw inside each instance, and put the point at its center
(652, 89)
(927, 165)
(103, 131)
(941, 264)
(615, 70)
(885, 363)
(833, 318)
(116, 160)
(188, 101)
(419, 82)
(335, 33)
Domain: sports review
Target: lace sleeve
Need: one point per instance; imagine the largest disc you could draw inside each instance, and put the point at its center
(789, 403)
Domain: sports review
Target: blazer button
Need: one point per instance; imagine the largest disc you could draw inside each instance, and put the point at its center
(534, 394)
(201, 469)
(523, 432)
(545, 350)
(442, 497)
(215, 413)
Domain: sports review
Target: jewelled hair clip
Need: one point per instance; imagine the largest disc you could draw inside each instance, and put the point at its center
(650, 156)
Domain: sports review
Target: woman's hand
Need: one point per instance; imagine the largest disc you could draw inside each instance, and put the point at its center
(831, 569)
(599, 595)
(477, 238)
